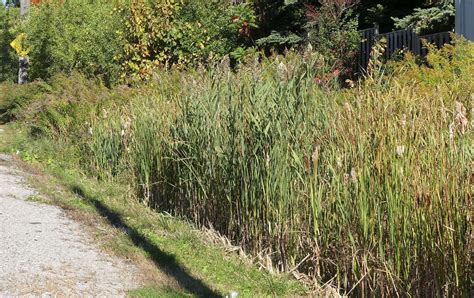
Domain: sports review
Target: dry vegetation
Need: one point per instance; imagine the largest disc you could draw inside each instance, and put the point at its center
(368, 188)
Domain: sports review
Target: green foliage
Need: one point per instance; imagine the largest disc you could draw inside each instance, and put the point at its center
(55, 108)
(181, 33)
(280, 40)
(14, 101)
(370, 186)
(281, 23)
(8, 59)
(14, 3)
(381, 12)
(173, 243)
(223, 27)
(332, 31)
(429, 20)
(122, 40)
(77, 35)
(151, 34)
(330, 27)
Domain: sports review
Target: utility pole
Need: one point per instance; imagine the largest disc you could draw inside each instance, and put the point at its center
(23, 61)
(24, 6)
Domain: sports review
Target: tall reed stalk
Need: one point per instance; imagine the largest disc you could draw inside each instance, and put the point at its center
(370, 188)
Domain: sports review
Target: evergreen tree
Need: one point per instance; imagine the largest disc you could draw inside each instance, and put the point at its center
(430, 19)
(281, 22)
(12, 3)
(381, 12)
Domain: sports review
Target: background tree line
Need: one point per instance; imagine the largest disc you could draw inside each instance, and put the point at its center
(114, 40)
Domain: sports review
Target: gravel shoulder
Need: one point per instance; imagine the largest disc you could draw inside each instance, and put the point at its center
(44, 253)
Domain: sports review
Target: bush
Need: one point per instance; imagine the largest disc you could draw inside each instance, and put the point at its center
(181, 33)
(329, 27)
(14, 101)
(223, 28)
(76, 35)
(332, 31)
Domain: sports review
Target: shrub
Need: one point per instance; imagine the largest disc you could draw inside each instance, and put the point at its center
(77, 35)
(181, 33)
(330, 27)
(67, 109)
(14, 101)
(332, 31)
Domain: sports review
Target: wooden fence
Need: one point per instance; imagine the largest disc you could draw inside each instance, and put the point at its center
(397, 40)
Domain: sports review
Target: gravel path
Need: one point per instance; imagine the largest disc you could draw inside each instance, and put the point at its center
(43, 253)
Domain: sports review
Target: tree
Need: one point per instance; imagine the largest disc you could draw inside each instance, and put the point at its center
(12, 3)
(380, 12)
(8, 60)
(331, 30)
(281, 23)
(431, 19)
